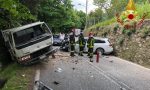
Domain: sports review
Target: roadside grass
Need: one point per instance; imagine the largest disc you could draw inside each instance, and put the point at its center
(19, 77)
(104, 23)
(143, 8)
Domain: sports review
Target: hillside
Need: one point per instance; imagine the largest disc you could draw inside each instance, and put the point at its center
(130, 45)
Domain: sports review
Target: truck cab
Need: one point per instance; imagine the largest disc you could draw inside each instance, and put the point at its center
(29, 43)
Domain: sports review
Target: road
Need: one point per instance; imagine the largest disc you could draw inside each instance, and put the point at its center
(77, 73)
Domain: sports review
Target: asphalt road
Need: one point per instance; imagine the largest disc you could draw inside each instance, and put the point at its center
(77, 73)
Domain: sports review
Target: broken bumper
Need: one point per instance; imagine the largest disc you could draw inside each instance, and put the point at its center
(39, 58)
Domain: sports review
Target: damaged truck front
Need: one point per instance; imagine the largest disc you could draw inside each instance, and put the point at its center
(29, 43)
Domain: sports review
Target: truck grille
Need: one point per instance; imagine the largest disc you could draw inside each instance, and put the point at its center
(40, 52)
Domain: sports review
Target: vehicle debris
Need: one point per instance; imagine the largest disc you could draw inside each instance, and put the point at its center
(111, 61)
(92, 76)
(23, 75)
(56, 83)
(41, 86)
(122, 88)
(76, 61)
(58, 70)
(73, 68)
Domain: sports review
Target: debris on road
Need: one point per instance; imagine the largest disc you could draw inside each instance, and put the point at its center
(62, 55)
(122, 88)
(53, 56)
(58, 70)
(92, 76)
(106, 56)
(111, 61)
(23, 75)
(76, 61)
(56, 83)
(73, 68)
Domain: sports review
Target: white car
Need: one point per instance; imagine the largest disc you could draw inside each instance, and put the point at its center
(101, 44)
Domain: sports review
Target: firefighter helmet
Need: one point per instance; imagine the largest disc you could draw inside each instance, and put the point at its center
(90, 34)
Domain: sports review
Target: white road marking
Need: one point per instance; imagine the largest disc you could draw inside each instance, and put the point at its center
(37, 78)
(113, 79)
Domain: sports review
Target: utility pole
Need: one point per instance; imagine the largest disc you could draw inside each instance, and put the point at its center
(86, 8)
(86, 11)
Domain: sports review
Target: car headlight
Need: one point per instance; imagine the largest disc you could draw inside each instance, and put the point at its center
(25, 58)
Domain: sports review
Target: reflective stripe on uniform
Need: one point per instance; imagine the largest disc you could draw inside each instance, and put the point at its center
(91, 43)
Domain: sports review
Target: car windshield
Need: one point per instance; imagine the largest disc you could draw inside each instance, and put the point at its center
(29, 34)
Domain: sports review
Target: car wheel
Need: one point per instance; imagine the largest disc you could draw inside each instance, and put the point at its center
(67, 50)
(100, 50)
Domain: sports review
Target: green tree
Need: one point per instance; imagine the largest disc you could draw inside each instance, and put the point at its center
(32, 5)
(95, 17)
(82, 18)
(59, 15)
(13, 13)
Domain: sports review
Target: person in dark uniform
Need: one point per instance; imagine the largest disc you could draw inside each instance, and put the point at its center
(81, 44)
(90, 45)
(72, 43)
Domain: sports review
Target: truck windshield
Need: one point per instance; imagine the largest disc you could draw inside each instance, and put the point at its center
(29, 34)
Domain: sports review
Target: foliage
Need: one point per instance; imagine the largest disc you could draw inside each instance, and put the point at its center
(95, 17)
(32, 5)
(82, 18)
(104, 23)
(112, 7)
(143, 8)
(115, 29)
(17, 77)
(120, 40)
(104, 34)
(13, 14)
(103, 4)
(127, 32)
(145, 32)
(60, 16)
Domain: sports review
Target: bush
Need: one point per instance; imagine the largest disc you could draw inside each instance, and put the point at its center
(120, 41)
(115, 29)
(104, 34)
(145, 32)
(104, 23)
(128, 33)
(13, 14)
(143, 8)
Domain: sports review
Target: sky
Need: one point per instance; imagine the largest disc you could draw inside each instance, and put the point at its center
(82, 5)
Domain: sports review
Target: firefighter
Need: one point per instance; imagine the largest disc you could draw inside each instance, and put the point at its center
(72, 43)
(81, 44)
(90, 45)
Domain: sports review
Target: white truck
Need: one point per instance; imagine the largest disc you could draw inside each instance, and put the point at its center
(29, 43)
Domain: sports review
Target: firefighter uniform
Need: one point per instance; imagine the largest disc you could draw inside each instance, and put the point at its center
(72, 44)
(81, 44)
(90, 45)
